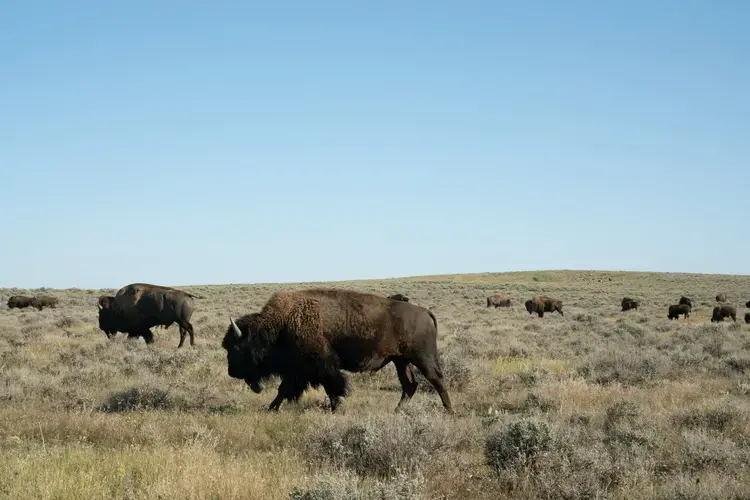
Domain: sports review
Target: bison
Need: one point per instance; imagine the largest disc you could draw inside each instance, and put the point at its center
(308, 336)
(399, 296)
(721, 297)
(42, 301)
(747, 317)
(676, 309)
(542, 304)
(685, 301)
(138, 307)
(498, 300)
(747, 304)
(628, 304)
(20, 302)
(721, 312)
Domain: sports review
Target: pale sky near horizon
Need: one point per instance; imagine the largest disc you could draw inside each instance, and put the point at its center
(188, 143)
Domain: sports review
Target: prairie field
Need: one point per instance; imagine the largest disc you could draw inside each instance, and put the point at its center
(595, 404)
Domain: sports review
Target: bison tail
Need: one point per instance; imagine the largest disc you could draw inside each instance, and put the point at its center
(434, 319)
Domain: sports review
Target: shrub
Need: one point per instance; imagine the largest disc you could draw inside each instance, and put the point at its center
(516, 444)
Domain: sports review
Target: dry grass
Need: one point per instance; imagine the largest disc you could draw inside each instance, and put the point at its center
(596, 404)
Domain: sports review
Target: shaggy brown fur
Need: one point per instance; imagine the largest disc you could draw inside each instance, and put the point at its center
(20, 302)
(676, 309)
(138, 307)
(308, 336)
(628, 303)
(722, 297)
(721, 312)
(541, 304)
(685, 301)
(399, 296)
(498, 300)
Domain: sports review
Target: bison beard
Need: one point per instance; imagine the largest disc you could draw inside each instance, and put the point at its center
(307, 337)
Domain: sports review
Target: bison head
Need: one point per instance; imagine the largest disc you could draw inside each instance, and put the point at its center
(529, 306)
(108, 321)
(244, 359)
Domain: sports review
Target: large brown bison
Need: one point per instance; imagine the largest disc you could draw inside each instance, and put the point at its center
(725, 311)
(676, 309)
(498, 300)
(399, 296)
(138, 307)
(308, 336)
(541, 304)
(20, 302)
(628, 304)
(721, 297)
(685, 301)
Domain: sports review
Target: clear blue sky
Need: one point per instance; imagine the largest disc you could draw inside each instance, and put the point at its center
(183, 142)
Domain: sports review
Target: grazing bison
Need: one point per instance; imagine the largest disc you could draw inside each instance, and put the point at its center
(20, 302)
(498, 300)
(39, 302)
(628, 304)
(399, 296)
(42, 301)
(138, 307)
(308, 336)
(722, 297)
(721, 312)
(747, 317)
(685, 301)
(541, 304)
(676, 309)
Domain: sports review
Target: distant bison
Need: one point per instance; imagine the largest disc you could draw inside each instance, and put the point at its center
(676, 309)
(721, 312)
(498, 300)
(628, 304)
(722, 297)
(399, 296)
(20, 302)
(42, 301)
(685, 301)
(39, 302)
(541, 304)
(308, 336)
(747, 304)
(747, 317)
(138, 307)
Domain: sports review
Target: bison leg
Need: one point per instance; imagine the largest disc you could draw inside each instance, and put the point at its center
(431, 370)
(148, 336)
(291, 388)
(408, 381)
(186, 327)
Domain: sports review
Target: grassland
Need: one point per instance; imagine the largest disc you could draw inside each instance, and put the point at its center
(595, 404)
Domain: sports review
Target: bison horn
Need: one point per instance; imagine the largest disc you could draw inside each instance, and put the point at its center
(237, 332)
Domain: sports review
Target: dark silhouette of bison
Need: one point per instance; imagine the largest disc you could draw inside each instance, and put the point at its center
(721, 297)
(399, 296)
(498, 300)
(628, 304)
(541, 304)
(138, 307)
(308, 336)
(676, 309)
(39, 302)
(725, 311)
(747, 317)
(20, 302)
(685, 301)
(747, 304)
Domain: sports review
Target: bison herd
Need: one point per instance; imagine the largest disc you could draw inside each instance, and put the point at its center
(307, 337)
